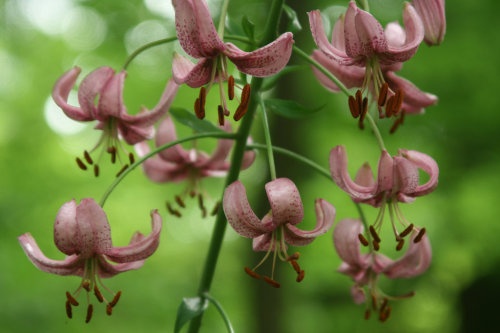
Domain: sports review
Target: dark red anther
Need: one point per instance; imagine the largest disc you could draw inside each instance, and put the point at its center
(384, 303)
(220, 111)
(87, 157)
(80, 163)
(197, 109)
(122, 170)
(376, 245)
(215, 210)
(115, 299)
(294, 256)
(109, 310)
(98, 294)
(230, 87)
(96, 170)
(367, 314)
(131, 158)
(363, 240)
(419, 236)
(90, 310)
(395, 126)
(400, 244)
(295, 265)
(86, 285)
(353, 107)
(374, 302)
(200, 201)
(69, 311)
(406, 231)
(245, 100)
(384, 315)
(71, 299)
(252, 273)
(359, 101)
(179, 201)
(374, 234)
(301, 275)
(271, 282)
(172, 211)
(382, 96)
(112, 151)
(365, 107)
(400, 95)
(389, 108)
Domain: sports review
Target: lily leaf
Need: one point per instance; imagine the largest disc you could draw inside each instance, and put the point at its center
(190, 308)
(293, 24)
(289, 109)
(248, 28)
(189, 119)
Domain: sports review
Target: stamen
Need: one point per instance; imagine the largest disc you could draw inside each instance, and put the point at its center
(363, 240)
(353, 107)
(200, 202)
(374, 234)
(69, 311)
(86, 285)
(300, 277)
(197, 109)
(215, 210)
(112, 151)
(395, 126)
(171, 210)
(271, 282)
(367, 314)
(385, 301)
(385, 315)
(382, 96)
(376, 246)
(192, 193)
(220, 110)
(109, 310)
(81, 165)
(406, 231)
(389, 108)
(87, 157)
(365, 108)
(400, 245)
(400, 95)
(131, 158)
(243, 107)
(202, 98)
(96, 170)
(420, 234)
(115, 299)
(179, 201)
(122, 170)
(230, 87)
(294, 256)
(295, 265)
(71, 299)
(361, 125)
(98, 294)
(359, 101)
(374, 303)
(90, 309)
(252, 273)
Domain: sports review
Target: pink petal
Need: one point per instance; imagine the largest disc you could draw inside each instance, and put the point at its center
(370, 34)
(140, 247)
(60, 94)
(195, 29)
(265, 61)
(217, 160)
(385, 172)
(286, 205)
(262, 242)
(338, 168)
(158, 170)
(364, 177)
(353, 47)
(69, 266)
(107, 270)
(195, 76)
(395, 34)
(415, 261)
(405, 177)
(338, 36)
(433, 17)
(91, 86)
(426, 163)
(240, 215)
(358, 294)
(248, 159)
(414, 97)
(166, 133)
(110, 102)
(319, 36)
(325, 216)
(345, 239)
(94, 234)
(65, 234)
(132, 134)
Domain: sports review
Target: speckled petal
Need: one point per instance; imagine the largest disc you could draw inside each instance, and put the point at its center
(93, 232)
(345, 239)
(262, 242)
(385, 177)
(286, 204)
(370, 34)
(107, 270)
(194, 75)
(426, 163)
(110, 102)
(91, 86)
(406, 176)
(158, 170)
(415, 261)
(350, 76)
(65, 236)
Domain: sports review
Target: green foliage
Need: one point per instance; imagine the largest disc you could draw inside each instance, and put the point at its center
(190, 308)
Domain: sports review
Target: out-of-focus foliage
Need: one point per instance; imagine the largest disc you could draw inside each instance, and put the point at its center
(40, 39)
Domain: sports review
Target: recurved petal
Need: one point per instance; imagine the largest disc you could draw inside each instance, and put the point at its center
(338, 169)
(364, 177)
(426, 163)
(345, 239)
(406, 176)
(265, 61)
(60, 94)
(107, 270)
(133, 134)
(110, 102)
(413, 96)
(93, 232)
(240, 215)
(155, 168)
(91, 86)
(325, 216)
(262, 242)
(415, 261)
(220, 153)
(285, 201)
(385, 171)
(194, 75)
(65, 234)
(140, 247)
(433, 17)
(69, 266)
(370, 34)
(358, 294)
(395, 34)
(166, 133)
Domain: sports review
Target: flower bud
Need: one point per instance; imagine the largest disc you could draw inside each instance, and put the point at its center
(432, 14)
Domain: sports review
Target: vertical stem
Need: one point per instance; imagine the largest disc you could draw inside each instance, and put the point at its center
(222, 19)
(234, 171)
(376, 131)
(269, 145)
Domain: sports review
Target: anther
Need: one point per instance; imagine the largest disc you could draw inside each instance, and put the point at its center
(406, 231)
(295, 266)
(131, 158)
(367, 314)
(300, 276)
(109, 310)
(374, 234)
(215, 210)
(197, 109)
(385, 314)
(71, 299)
(86, 285)
(199, 104)
(172, 211)
(90, 309)
(220, 111)
(400, 95)
(96, 170)
(395, 126)
(252, 273)
(400, 244)
(364, 109)
(203, 212)
(384, 303)
(87, 157)
(271, 282)
(98, 294)
(179, 201)
(243, 107)
(192, 193)
(115, 299)
(69, 311)
(200, 202)
(353, 107)
(374, 303)
(122, 170)
(81, 165)
(363, 240)
(112, 151)
(382, 96)
(294, 256)
(402, 117)
(389, 108)
(230, 87)
(361, 125)
(376, 246)
(420, 234)
(359, 101)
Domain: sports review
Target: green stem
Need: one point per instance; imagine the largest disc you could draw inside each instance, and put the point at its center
(221, 311)
(145, 47)
(321, 69)
(222, 19)
(234, 171)
(267, 134)
(218, 134)
(376, 131)
(239, 38)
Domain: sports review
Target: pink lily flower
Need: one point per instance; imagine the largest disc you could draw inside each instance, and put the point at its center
(200, 40)
(110, 111)
(397, 181)
(433, 16)
(365, 269)
(176, 164)
(82, 232)
(277, 228)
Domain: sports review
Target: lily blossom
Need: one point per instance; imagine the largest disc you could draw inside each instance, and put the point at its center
(433, 16)
(365, 269)
(82, 232)
(277, 228)
(199, 39)
(110, 111)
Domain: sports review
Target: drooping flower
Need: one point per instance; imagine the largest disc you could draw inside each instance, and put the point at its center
(82, 232)
(365, 269)
(397, 181)
(199, 39)
(358, 39)
(433, 16)
(277, 228)
(175, 164)
(110, 111)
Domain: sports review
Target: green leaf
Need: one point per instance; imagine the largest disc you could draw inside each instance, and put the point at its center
(293, 24)
(289, 109)
(190, 308)
(248, 28)
(189, 119)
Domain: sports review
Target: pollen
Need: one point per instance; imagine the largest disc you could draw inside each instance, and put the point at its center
(363, 240)
(109, 310)
(220, 111)
(419, 236)
(353, 107)
(96, 170)
(87, 157)
(98, 294)
(71, 299)
(400, 245)
(131, 158)
(115, 299)
(69, 311)
(374, 234)
(90, 310)
(230, 87)
(300, 276)
(252, 273)
(382, 96)
(245, 100)
(406, 231)
(122, 170)
(80, 163)
(271, 282)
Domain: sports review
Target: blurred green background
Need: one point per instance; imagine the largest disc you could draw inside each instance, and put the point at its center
(41, 39)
